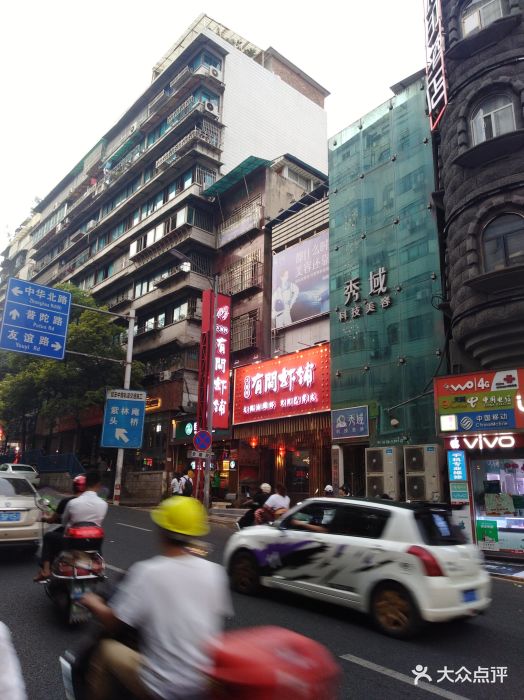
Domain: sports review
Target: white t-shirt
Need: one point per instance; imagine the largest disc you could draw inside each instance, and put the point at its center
(11, 681)
(277, 501)
(88, 507)
(175, 485)
(178, 604)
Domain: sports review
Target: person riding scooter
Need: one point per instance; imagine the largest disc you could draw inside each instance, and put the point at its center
(153, 599)
(87, 507)
(52, 540)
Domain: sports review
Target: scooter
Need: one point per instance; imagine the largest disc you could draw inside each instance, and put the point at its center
(78, 568)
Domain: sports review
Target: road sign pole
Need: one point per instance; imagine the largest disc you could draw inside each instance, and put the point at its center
(127, 384)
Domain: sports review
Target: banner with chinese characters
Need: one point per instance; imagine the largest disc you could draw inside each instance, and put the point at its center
(436, 90)
(220, 370)
(480, 402)
(291, 385)
(365, 298)
(301, 281)
(350, 422)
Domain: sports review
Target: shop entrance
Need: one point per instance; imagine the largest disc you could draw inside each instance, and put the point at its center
(355, 468)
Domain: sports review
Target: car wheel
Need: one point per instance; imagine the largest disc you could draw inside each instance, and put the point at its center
(244, 574)
(394, 611)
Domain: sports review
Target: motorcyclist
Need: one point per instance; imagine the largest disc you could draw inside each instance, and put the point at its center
(258, 500)
(52, 540)
(176, 601)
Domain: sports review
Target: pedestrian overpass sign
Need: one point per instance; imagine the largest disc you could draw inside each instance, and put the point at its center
(124, 415)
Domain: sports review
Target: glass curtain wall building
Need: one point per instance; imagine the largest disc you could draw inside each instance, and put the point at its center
(387, 335)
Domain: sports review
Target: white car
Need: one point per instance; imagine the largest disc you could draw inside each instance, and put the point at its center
(19, 512)
(25, 470)
(403, 563)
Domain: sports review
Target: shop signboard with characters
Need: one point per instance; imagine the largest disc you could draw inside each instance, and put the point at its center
(291, 385)
(481, 402)
(481, 416)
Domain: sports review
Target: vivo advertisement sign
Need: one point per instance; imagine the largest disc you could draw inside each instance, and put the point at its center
(301, 281)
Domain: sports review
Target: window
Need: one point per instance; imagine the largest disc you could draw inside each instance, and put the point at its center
(299, 180)
(360, 522)
(494, 117)
(503, 242)
(480, 13)
(311, 517)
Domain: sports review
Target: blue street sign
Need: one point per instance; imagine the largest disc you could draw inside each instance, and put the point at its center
(124, 415)
(350, 422)
(35, 319)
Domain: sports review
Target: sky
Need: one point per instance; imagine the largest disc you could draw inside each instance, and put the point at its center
(69, 70)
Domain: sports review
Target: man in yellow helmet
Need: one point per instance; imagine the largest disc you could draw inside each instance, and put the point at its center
(177, 601)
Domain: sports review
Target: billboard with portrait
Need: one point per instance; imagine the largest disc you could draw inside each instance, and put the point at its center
(300, 287)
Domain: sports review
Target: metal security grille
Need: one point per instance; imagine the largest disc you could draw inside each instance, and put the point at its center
(244, 274)
(244, 331)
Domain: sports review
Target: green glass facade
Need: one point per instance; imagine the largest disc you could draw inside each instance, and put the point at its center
(387, 335)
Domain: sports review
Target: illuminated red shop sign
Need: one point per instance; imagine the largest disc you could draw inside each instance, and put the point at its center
(437, 93)
(292, 385)
(220, 370)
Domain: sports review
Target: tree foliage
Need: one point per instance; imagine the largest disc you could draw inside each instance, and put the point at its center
(57, 389)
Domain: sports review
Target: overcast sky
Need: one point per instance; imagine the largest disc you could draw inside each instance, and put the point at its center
(70, 69)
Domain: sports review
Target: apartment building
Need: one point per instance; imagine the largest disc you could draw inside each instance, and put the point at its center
(145, 189)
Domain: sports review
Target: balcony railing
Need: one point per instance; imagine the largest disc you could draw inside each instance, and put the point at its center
(246, 218)
(246, 274)
(244, 331)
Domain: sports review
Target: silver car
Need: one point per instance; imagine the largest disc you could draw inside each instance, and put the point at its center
(25, 470)
(19, 511)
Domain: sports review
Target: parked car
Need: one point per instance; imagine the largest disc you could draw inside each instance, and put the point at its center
(19, 512)
(403, 563)
(25, 470)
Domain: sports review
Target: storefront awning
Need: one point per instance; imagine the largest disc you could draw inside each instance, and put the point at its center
(236, 175)
(284, 426)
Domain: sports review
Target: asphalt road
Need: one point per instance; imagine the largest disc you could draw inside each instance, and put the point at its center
(376, 666)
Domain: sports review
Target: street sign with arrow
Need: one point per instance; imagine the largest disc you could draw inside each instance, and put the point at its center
(35, 319)
(124, 419)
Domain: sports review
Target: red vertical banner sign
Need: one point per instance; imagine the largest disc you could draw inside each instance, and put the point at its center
(220, 370)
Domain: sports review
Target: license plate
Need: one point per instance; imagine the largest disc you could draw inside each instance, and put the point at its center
(469, 596)
(9, 517)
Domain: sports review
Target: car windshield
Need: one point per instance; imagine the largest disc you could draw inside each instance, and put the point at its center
(437, 528)
(22, 468)
(15, 487)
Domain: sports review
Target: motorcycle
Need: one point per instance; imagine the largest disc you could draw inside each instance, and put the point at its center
(78, 568)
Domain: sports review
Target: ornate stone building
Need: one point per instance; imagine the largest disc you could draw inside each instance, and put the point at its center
(480, 147)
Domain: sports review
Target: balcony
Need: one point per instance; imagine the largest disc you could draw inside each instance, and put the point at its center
(245, 219)
(119, 301)
(243, 277)
(183, 333)
(245, 331)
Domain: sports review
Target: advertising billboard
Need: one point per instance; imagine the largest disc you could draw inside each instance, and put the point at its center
(291, 385)
(480, 402)
(301, 281)
(350, 422)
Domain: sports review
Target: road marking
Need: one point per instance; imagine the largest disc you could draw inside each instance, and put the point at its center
(402, 677)
(115, 568)
(135, 527)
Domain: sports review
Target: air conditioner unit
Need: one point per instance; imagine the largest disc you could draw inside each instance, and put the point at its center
(91, 224)
(133, 128)
(423, 472)
(215, 73)
(165, 376)
(59, 228)
(383, 467)
(211, 108)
